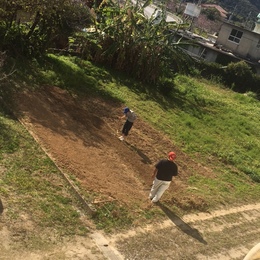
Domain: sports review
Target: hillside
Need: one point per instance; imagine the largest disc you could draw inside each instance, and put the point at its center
(240, 9)
(67, 111)
(87, 130)
(80, 135)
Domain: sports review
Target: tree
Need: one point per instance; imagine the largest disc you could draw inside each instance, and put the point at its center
(129, 41)
(2, 59)
(31, 26)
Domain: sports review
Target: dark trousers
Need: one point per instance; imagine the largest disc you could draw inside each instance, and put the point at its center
(126, 128)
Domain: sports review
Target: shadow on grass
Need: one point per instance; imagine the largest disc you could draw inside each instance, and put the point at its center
(173, 99)
(82, 76)
(70, 73)
(184, 227)
(8, 141)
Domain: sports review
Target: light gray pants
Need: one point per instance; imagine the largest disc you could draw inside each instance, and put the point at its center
(158, 188)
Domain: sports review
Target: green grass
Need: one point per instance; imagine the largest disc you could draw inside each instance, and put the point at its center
(31, 184)
(206, 121)
(111, 215)
(215, 126)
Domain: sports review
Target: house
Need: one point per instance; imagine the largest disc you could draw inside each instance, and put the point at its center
(205, 48)
(231, 44)
(240, 41)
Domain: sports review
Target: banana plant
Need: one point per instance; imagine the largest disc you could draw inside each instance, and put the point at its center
(143, 47)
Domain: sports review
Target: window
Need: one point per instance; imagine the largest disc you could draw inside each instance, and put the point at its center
(203, 53)
(235, 36)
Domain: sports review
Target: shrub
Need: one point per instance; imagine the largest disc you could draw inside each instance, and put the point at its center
(165, 86)
(210, 70)
(255, 87)
(239, 76)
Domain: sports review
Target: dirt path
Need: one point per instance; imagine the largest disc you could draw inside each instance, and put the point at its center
(224, 234)
(81, 137)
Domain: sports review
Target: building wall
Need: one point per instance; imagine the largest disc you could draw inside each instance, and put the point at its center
(255, 49)
(246, 47)
(211, 53)
(202, 52)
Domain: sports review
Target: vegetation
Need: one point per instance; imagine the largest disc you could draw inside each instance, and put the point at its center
(31, 181)
(115, 35)
(211, 13)
(122, 37)
(28, 28)
(237, 76)
(241, 10)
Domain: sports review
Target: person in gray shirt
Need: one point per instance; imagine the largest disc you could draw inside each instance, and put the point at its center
(130, 118)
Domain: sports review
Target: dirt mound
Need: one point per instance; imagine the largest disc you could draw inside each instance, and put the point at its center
(81, 135)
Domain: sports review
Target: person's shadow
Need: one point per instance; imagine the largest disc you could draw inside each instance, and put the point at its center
(145, 159)
(181, 224)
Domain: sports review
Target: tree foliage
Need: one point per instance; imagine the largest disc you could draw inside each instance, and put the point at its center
(241, 10)
(211, 13)
(140, 46)
(239, 76)
(124, 37)
(2, 59)
(31, 26)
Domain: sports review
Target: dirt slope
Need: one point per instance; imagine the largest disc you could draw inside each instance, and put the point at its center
(81, 137)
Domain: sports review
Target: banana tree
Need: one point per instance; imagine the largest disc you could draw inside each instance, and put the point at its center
(144, 47)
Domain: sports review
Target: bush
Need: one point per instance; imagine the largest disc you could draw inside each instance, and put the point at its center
(255, 87)
(211, 14)
(236, 75)
(209, 70)
(165, 86)
(239, 76)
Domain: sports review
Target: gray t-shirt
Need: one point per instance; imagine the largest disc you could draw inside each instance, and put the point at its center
(130, 115)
